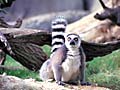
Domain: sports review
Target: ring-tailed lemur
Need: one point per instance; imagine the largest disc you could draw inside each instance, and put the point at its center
(67, 63)
(4, 45)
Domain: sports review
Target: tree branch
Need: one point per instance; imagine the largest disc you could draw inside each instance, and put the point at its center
(112, 14)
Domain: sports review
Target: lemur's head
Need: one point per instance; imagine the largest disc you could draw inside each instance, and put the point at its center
(72, 41)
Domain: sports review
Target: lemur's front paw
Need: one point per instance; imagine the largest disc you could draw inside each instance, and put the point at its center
(85, 83)
(60, 83)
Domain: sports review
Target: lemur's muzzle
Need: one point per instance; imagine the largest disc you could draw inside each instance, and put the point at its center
(72, 43)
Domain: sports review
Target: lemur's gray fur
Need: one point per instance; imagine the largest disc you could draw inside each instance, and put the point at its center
(67, 62)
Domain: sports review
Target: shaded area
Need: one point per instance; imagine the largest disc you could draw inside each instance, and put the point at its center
(99, 49)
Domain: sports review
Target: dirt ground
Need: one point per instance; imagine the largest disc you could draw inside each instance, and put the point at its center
(15, 83)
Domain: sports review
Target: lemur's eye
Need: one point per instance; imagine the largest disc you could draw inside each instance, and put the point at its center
(68, 38)
(76, 39)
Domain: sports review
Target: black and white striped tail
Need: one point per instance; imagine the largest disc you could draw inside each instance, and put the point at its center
(58, 28)
(4, 45)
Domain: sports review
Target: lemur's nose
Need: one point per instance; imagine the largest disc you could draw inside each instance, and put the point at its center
(72, 43)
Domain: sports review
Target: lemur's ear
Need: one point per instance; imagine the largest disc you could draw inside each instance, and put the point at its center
(65, 34)
(81, 35)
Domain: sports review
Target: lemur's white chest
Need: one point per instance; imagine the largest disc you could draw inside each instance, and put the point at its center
(71, 65)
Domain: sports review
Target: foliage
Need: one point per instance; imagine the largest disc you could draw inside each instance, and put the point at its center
(22, 73)
(47, 49)
(105, 71)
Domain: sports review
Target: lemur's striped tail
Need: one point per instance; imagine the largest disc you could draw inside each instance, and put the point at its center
(58, 28)
(4, 45)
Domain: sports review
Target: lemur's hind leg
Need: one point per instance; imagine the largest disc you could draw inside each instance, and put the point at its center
(82, 68)
(45, 72)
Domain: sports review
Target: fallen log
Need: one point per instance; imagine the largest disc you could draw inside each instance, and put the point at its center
(26, 46)
(39, 37)
(91, 29)
(93, 50)
(3, 48)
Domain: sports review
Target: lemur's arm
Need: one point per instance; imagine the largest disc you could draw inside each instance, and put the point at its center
(118, 19)
(56, 60)
(57, 72)
(83, 66)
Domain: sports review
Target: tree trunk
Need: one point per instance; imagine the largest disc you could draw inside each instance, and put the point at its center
(29, 55)
(26, 44)
(91, 29)
(3, 24)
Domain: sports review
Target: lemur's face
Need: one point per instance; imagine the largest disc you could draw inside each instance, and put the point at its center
(72, 41)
